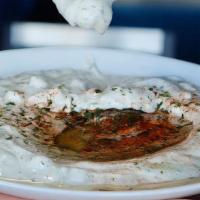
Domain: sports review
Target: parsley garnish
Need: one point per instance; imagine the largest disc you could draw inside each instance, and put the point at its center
(177, 104)
(10, 104)
(88, 115)
(151, 89)
(165, 94)
(61, 86)
(159, 105)
(22, 112)
(98, 91)
(44, 110)
(49, 102)
(72, 104)
(9, 138)
(114, 89)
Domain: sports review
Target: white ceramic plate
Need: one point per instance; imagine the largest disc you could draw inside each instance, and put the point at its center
(109, 61)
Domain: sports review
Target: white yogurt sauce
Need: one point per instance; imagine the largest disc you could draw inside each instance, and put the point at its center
(77, 90)
(90, 14)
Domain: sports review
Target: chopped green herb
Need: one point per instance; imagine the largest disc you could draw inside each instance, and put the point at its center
(37, 117)
(36, 135)
(97, 114)
(130, 91)
(44, 110)
(151, 89)
(177, 104)
(165, 111)
(165, 94)
(114, 89)
(22, 112)
(23, 133)
(65, 107)
(35, 129)
(89, 115)
(9, 138)
(10, 104)
(159, 105)
(186, 124)
(61, 86)
(26, 142)
(72, 104)
(49, 102)
(98, 91)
